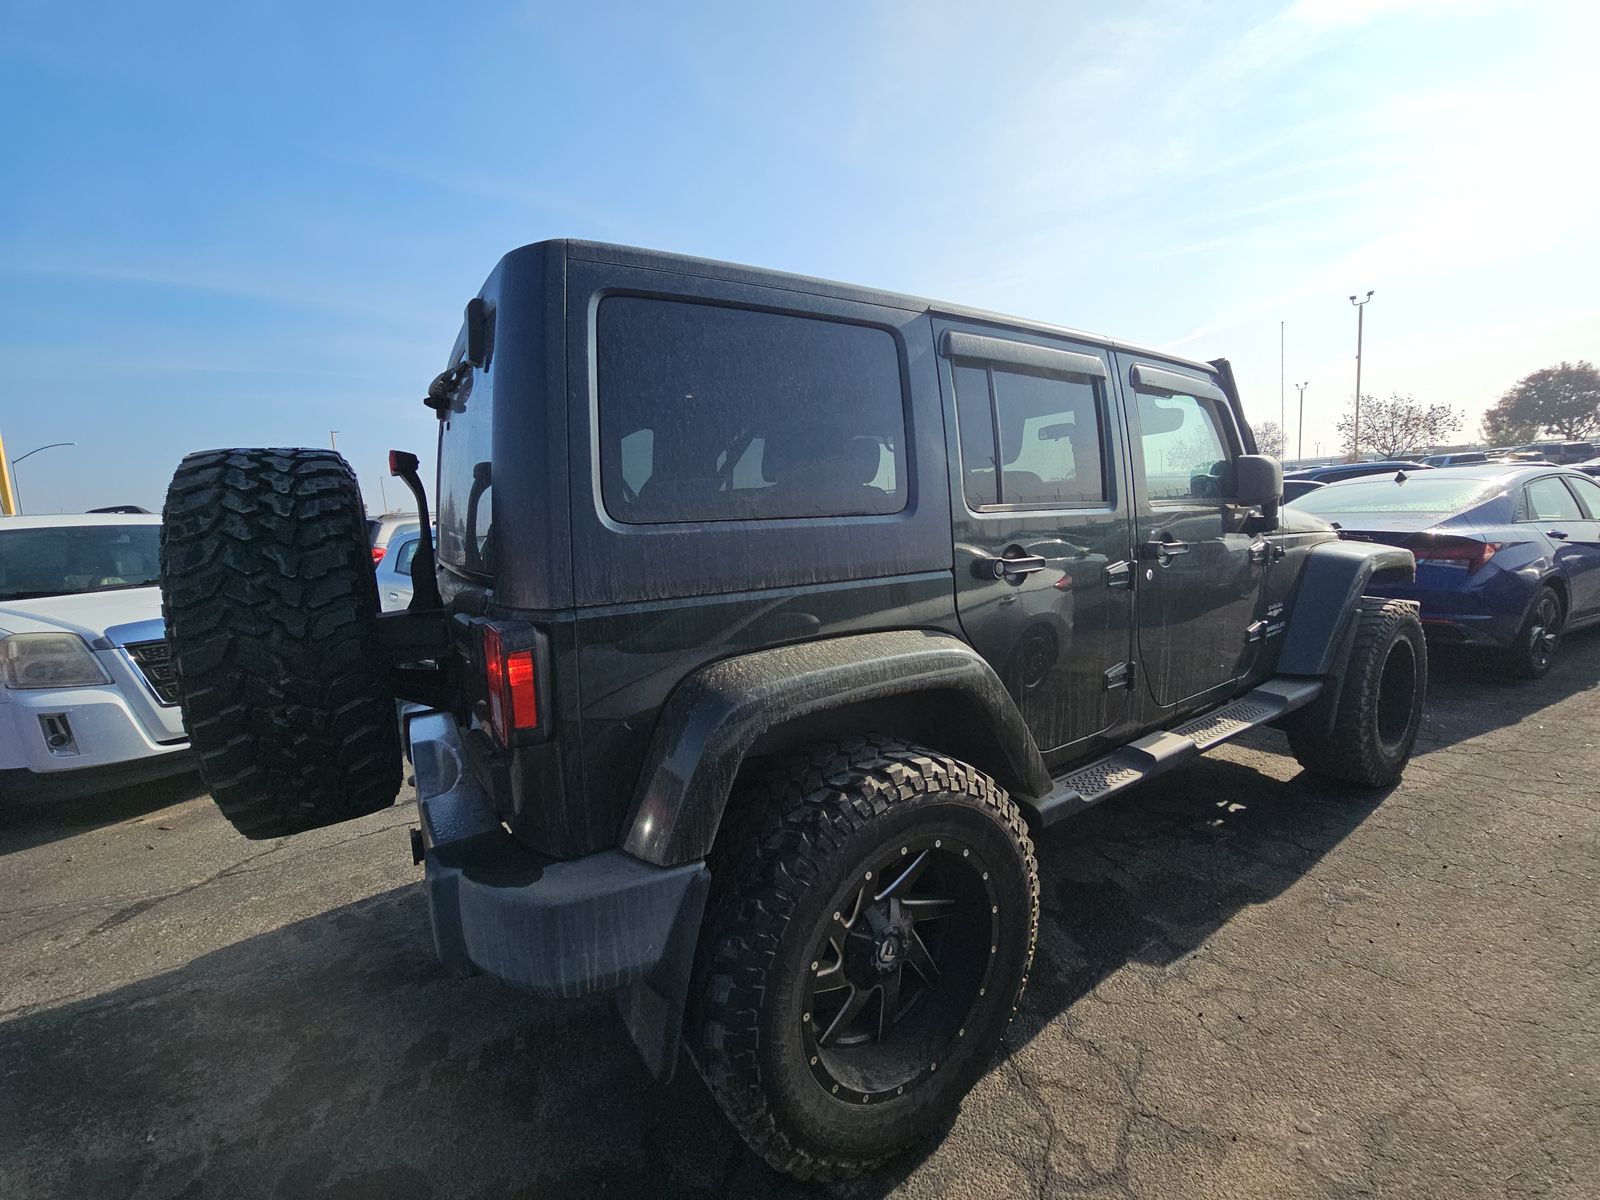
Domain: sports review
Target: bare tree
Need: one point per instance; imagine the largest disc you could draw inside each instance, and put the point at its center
(1398, 427)
(1269, 438)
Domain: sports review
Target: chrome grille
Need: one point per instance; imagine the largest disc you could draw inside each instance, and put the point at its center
(154, 660)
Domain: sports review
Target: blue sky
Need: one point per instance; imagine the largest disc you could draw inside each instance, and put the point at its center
(251, 223)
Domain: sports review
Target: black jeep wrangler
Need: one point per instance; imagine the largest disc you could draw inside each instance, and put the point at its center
(768, 620)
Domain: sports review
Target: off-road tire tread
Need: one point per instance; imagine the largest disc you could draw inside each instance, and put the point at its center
(1344, 753)
(271, 604)
(778, 833)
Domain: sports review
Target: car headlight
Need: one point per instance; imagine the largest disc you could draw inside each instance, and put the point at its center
(48, 660)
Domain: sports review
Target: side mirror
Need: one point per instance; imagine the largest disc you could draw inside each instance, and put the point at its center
(1258, 481)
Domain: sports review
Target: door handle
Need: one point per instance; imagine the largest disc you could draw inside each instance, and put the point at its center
(1559, 534)
(1014, 569)
(1163, 551)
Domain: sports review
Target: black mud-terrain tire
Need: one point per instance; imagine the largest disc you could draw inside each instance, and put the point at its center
(791, 841)
(1539, 640)
(271, 606)
(1380, 704)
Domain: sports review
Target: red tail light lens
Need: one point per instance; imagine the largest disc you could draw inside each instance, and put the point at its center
(377, 555)
(1449, 550)
(512, 685)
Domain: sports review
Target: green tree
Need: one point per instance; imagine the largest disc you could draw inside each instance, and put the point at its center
(1562, 401)
(1398, 427)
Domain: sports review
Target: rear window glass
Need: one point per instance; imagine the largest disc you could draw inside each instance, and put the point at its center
(1417, 494)
(719, 414)
(466, 450)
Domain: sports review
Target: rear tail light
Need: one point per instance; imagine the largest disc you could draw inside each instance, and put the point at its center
(377, 555)
(511, 681)
(1452, 550)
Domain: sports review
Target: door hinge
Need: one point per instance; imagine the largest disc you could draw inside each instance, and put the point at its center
(1260, 552)
(1120, 675)
(1119, 574)
(1255, 631)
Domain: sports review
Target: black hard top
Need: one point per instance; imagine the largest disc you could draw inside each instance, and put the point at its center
(683, 264)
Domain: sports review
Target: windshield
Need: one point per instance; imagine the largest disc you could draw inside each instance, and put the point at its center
(1425, 494)
(66, 559)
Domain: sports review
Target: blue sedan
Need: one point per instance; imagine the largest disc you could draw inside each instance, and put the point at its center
(1508, 554)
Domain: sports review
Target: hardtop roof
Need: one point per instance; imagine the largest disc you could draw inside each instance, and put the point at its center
(661, 260)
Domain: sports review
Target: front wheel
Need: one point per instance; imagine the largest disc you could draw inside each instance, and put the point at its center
(871, 929)
(1379, 712)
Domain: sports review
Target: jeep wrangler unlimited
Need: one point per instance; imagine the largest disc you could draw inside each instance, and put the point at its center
(768, 621)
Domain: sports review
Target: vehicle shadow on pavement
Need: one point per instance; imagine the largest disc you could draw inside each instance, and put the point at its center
(29, 822)
(334, 1057)
(1469, 695)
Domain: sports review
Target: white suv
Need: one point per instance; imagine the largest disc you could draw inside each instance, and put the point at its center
(88, 695)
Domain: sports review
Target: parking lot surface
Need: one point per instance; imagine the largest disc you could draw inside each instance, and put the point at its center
(1249, 983)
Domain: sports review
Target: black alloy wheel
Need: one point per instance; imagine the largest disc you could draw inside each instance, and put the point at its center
(1539, 640)
(897, 967)
(873, 912)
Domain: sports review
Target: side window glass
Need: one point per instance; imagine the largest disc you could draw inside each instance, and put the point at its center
(976, 419)
(1549, 500)
(712, 413)
(1185, 449)
(1051, 443)
(402, 563)
(1589, 492)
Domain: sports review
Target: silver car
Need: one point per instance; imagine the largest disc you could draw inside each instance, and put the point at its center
(394, 570)
(383, 530)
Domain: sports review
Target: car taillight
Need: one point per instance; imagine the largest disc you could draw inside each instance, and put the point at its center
(377, 555)
(511, 681)
(1450, 550)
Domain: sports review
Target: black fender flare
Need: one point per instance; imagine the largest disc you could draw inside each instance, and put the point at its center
(1322, 613)
(716, 715)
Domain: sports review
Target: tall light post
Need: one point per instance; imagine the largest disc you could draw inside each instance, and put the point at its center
(1300, 425)
(16, 492)
(1355, 440)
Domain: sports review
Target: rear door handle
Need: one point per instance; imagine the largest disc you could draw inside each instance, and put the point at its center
(1014, 569)
(1163, 551)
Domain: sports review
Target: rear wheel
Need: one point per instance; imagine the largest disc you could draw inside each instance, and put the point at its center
(271, 607)
(1534, 652)
(873, 921)
(1379, 710)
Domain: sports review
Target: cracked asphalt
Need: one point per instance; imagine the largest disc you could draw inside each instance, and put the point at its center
(1249, 983)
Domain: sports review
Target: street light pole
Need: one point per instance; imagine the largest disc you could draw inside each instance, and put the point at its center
(1355, 440)
(16, 492)
(1300, 424)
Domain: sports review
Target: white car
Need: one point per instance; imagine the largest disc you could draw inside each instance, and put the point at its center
(88, 694)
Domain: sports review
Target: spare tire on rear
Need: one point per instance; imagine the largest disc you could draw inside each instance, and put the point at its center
(271, 607)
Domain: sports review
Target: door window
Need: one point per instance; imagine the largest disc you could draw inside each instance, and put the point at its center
(1185, 447)
(1051, 438)
(1549, 500)
(402, 562)
(1589, 492)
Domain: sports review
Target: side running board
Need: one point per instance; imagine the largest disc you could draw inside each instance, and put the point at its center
(1160, 751)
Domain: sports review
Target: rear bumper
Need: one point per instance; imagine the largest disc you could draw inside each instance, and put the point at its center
(607, 923)
(1485, 609)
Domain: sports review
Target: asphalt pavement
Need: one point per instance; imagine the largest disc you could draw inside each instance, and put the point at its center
(1249, 983)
